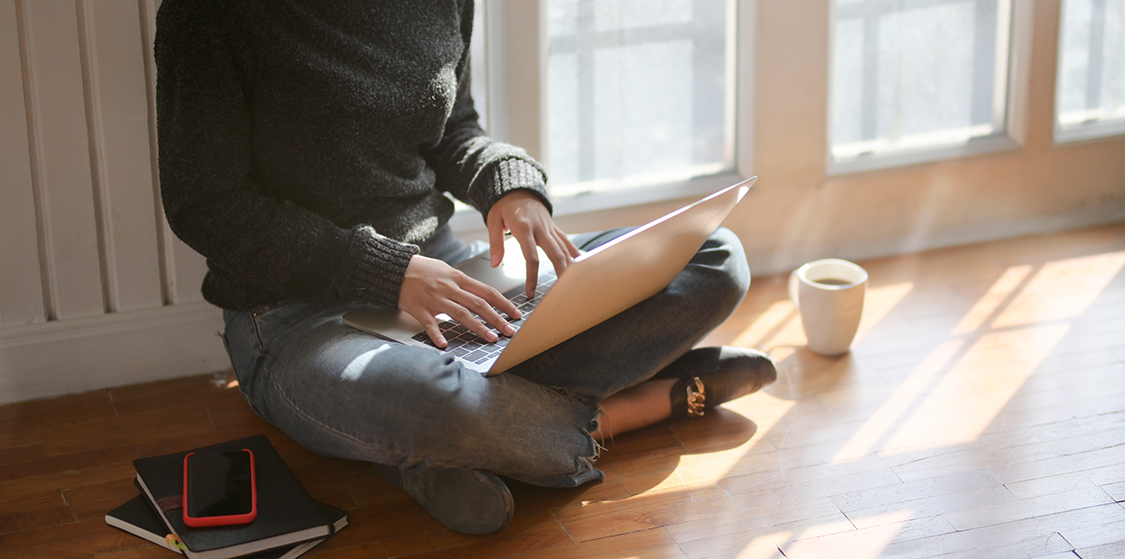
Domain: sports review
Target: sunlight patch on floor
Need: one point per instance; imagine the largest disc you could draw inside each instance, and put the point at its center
(713, 466)
(774, 318)
(868, 543)
(960, 407)
(1062, 289)
(987, 305)
(877, 303)
(868, 437)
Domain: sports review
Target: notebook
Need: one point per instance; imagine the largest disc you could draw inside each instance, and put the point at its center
(598, 285)
(139, 518)
(286, 513)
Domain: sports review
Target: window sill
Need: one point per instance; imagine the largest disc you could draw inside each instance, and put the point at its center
(979, 146)
(1099, 131)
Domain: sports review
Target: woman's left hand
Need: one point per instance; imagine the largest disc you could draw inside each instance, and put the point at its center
(525, 216)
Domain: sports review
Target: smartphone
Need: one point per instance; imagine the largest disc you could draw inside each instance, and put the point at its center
(219, 489)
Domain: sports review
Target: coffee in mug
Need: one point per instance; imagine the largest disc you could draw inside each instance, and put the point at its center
(829, 297)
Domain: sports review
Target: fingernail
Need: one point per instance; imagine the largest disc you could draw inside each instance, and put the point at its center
(509, 330)
(441, 342)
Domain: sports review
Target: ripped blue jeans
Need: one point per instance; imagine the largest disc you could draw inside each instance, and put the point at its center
(340, 392)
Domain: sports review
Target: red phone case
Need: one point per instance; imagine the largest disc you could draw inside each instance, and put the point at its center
(208, 521)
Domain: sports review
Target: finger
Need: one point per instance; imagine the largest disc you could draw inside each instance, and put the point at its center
(570, 246)
(488, 303)
(466, 318)
(485, 311)
(434, 333)
(531, 260)
(558, 254)
(495, 226)
(494, 299)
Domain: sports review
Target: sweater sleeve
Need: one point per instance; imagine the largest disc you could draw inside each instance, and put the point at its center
(473, 167)
(210, 197)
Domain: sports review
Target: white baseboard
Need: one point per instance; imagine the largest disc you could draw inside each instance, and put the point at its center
(71, 356)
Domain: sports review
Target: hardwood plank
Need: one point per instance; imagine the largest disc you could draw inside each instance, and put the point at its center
(1053, 546)
(909, 491)
(29, 519)
(143, 550)
(73, 461)
(642, 512)
(528, 533)
(151, 396)
(931, 506)
(531, 499)
(95, 500)
(867, 466)
(27, 492)
(931, 463)
(647, 544)
(1116, 490)
(1059, 465)
(1024, 508)
(75, 539)
(14, 436)
(342, 500)
(366, 551)
(57, 411)
(729, 536)
(1039, 487)
(1094, 535)
(168, 424)
(913, 538)
(1107, 551)
(1045, 526)
(22, 453)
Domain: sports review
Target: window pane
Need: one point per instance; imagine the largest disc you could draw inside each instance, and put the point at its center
(1091, 77)
(478, 63)
(912, 75)
(636, 92)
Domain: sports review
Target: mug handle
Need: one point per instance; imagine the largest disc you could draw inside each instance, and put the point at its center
(794, 287)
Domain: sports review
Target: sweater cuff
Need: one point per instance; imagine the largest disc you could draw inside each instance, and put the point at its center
(507, 176)
(374, 268)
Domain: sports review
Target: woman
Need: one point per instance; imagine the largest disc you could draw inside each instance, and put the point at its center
(305, 147)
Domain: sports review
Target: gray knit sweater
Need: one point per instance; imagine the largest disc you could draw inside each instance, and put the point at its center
(305, 144)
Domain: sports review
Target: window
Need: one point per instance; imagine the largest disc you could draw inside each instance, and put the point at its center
(637, 92)
(917, 80)
(635, 98)
(1090, 94)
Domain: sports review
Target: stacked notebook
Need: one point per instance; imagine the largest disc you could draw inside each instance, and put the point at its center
(289, 521)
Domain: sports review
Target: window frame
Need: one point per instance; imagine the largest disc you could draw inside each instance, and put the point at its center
(1014, 136)
(528, 97)
(1085, 132)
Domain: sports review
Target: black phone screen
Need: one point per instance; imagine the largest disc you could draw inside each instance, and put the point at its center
(219, 484)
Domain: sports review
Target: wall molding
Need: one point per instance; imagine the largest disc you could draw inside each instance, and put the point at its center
(78, 355)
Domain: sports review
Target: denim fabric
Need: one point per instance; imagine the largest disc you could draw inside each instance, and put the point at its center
(340, 392)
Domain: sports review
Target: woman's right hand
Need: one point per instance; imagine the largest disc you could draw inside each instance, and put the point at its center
(432, 287)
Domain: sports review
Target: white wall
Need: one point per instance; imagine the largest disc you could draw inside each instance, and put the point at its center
(94, 289)
(96, 292)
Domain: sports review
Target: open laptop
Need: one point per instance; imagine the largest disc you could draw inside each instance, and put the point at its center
(598, 285)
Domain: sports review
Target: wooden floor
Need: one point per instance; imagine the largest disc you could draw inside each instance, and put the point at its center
(980, 414)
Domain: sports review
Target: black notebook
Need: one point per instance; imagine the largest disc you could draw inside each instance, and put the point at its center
(139, 518)
(286, 513)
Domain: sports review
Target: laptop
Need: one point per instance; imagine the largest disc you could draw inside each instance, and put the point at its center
(598, 285)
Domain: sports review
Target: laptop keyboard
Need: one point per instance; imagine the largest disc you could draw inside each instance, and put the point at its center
(465, 344)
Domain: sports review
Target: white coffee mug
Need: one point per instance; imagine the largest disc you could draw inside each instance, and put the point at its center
(829, 295)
